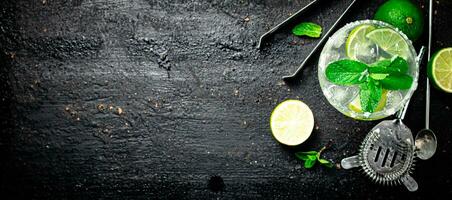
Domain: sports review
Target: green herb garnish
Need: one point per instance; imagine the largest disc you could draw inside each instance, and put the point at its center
(307, 29)
(311, 157)
(372, 79)
(346, 72)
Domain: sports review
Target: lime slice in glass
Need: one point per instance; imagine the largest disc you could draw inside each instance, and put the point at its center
(390, 41)
(440, 69)
(357, 43)
(291, 122)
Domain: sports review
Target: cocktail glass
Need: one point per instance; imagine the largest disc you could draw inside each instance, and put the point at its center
(341, 97)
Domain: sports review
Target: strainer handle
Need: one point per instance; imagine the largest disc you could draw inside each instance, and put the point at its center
(410, 183)
(350, 162)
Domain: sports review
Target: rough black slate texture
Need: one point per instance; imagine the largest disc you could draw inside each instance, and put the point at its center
(151, 99)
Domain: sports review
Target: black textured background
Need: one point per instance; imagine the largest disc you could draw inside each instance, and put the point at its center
(151, 99)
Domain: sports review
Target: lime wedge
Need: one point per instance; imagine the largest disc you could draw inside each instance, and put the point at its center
(355, 105)
(357, 42)
(291, 122)
(440, 69)
(391, 41)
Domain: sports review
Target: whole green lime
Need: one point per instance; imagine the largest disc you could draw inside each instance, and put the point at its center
(404, 15)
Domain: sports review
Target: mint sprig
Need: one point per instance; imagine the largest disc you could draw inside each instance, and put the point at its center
(372, 79)
(307, 29)
(312, 157)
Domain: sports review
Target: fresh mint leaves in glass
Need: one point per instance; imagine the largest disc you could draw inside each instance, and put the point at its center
(368, 70)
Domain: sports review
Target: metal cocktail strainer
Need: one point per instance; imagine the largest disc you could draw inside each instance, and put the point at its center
(388, 152)
(387, 155)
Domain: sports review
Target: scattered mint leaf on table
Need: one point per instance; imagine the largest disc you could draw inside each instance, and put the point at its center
(307, 29)
(326, 163)
(311, 157)
(305, 155)
(309, 163)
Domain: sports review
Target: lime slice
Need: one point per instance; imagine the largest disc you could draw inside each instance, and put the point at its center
(440, 69)
(291, 122)
(391, 41)
(357, 42)
(355, 105)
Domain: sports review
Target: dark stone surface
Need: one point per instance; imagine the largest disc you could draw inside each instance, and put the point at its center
(146, 99)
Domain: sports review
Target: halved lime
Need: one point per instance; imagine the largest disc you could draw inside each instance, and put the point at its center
(440, 69)
(291, 122)
(391, 41)
(355, 105)
(357, 42)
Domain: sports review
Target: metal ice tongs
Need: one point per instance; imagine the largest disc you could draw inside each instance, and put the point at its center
(322, 40)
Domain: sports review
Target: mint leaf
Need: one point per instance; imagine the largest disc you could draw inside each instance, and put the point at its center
(312, 157)
(326, 163)
(397, 81)
(370, 95)
(378, 70)
(380, 67)
(346, 72)
(302, 157)
(307, 29)
(381, 64)
(392, 76)
(305, 155)
(309, 163)
(399, 65)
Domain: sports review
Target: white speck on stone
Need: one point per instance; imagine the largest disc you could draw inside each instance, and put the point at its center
(298, 166)
(236, 92)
